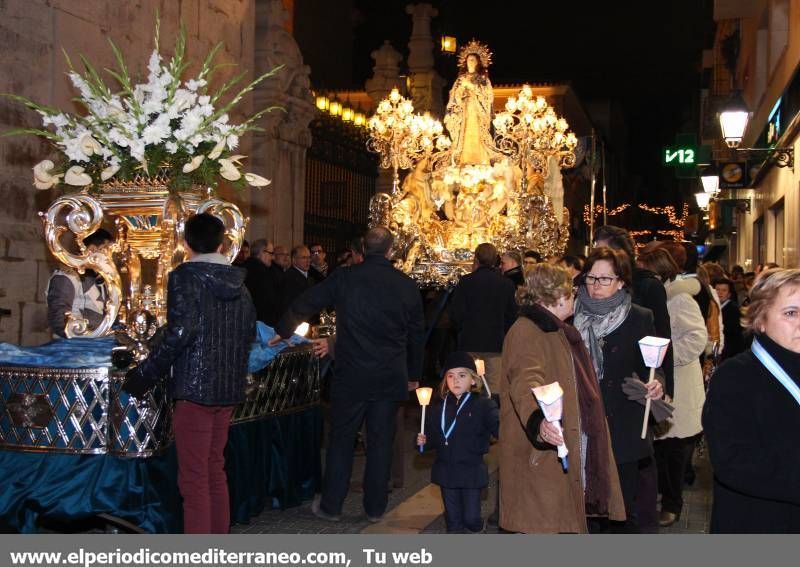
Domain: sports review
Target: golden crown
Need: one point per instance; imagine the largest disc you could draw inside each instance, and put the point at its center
(479, 49)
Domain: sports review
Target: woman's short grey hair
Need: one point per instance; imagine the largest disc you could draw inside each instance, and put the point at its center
(545, 284)
(763, 294)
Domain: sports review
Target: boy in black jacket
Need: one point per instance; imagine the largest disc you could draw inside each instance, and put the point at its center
(210, 327)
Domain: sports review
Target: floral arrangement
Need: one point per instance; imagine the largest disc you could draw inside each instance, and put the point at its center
(166, 127)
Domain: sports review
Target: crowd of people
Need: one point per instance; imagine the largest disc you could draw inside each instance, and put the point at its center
(577, 321)
(732, 375)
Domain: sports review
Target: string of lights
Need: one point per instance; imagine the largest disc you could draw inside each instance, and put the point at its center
(598, 211)
(669, 211)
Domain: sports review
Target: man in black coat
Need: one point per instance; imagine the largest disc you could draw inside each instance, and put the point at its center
(319, 267)
(380, 335)
(262, 282)
(482, 310)
(210, 328)
(297, 278)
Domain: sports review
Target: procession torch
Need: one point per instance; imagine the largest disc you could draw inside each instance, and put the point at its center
(653, 351)
(424, 398)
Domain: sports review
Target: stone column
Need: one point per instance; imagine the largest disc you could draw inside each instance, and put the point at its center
(426, 84)
(279, 153)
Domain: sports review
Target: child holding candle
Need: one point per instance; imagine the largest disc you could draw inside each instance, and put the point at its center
(459, 428)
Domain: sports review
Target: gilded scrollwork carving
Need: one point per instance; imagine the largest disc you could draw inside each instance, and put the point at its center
(81, 215)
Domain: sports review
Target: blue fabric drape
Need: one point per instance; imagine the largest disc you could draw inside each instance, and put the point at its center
(274, 462)
(93, 353)
(75, 487)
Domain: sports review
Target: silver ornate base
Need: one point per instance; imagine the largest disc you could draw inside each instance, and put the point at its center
(85, 411)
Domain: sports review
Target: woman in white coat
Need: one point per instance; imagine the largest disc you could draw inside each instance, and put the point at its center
(675, 438)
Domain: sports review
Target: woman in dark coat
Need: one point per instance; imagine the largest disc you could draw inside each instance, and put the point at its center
(751, 417)
(611, 327)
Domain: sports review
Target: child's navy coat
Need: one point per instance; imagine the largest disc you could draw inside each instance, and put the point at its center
(459, 464)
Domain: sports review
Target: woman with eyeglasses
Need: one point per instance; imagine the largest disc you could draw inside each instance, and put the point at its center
(611, 326)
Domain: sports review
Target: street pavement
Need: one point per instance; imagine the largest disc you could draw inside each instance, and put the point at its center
(416, 507)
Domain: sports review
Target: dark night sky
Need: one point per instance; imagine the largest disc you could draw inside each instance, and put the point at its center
(645, 55)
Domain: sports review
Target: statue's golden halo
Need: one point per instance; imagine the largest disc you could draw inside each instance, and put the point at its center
(479, 49)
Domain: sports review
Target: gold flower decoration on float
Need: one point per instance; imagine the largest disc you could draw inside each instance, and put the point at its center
(139, 161)
(469, 187)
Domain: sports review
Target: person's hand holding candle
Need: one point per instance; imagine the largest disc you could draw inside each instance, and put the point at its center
(550, 433)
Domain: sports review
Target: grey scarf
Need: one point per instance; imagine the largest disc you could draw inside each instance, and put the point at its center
(597, 318)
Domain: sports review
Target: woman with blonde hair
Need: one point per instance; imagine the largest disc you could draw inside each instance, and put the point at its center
(752, 416)
(536, 494)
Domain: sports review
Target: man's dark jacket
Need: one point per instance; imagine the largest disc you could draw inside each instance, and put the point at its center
(293, 285)
(210, 328)
(483, 309)
(649, 292)
(732, 330)
(380, 329)
(264, 287)
(516, 276)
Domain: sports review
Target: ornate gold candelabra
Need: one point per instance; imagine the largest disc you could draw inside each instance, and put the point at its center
(530, 132)
(402, 138)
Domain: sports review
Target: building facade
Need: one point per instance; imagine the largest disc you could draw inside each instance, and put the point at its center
(762, 218)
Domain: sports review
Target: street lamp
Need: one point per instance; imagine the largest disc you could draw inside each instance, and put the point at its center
(702, 199)
(335, 108)
(709, 177)
(733, 120)
(449, 44)
(323, 102)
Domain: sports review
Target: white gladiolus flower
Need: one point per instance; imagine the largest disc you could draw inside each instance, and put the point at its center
(193, 85)
(256, 180)
(194, 164)
(75, 176)
(109, 172)
(217, 151)
(228, 170)
(90, 146)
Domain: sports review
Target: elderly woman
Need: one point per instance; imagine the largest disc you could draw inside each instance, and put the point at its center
(611, 327)
(752, 416)
(536, 496)
(676, 437)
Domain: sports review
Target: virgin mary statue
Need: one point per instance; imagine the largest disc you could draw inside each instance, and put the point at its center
(469, 110)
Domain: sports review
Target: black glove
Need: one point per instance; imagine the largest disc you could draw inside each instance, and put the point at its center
(136, 384)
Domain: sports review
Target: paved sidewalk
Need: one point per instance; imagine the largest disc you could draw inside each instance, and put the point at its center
(417, 507)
